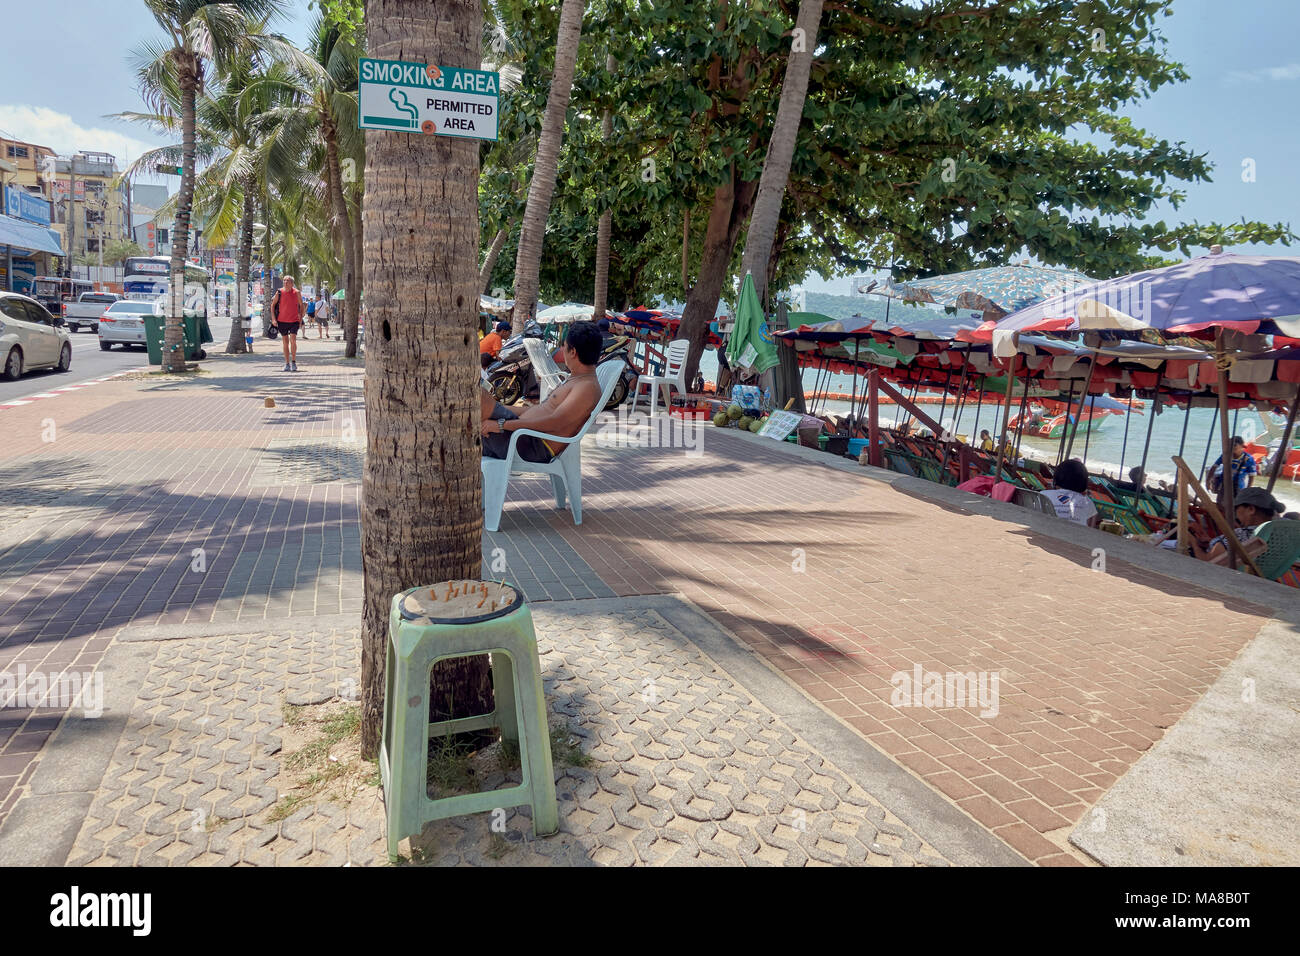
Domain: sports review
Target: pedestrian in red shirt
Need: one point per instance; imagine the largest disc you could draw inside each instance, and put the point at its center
(287, 310)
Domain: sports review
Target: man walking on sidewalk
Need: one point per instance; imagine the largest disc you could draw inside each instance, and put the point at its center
(287, 309)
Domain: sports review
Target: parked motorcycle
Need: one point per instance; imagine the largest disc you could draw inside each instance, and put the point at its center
(511, 377)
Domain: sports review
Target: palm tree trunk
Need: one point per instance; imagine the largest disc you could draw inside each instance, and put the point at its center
(490, 260)
(339, 204)
(243, 265)
(352, 291)
(173, 358)
(528, 260)
(605, 226)
(422, 517)
(780, 151)
(268, 278)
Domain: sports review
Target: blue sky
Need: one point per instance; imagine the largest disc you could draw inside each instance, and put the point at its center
(1241, 101)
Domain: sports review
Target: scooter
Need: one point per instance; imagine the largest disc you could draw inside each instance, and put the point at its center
(511, 377)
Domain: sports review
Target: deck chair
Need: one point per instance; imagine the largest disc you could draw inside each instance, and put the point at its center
(1282, 537)
(565, 471)
(674, 376)
(549, 375)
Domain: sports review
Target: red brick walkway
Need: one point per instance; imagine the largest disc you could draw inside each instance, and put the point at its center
(1093, 666)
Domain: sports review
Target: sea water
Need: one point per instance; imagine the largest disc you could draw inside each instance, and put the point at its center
(1105, 449)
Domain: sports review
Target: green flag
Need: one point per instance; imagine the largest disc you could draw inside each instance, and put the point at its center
(751, 340)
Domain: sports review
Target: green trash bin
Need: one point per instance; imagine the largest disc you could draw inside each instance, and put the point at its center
(194, 333)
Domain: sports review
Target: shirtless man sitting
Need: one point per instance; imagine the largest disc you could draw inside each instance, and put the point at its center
(563, 413)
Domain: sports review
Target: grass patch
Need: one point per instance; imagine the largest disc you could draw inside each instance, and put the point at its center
(285, 807)
(498, 846)
(328, 762)
(450, 765)
(566, 747)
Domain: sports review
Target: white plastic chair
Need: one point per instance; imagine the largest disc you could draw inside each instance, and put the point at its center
(565, 471)
(549, 375)
(674, 376)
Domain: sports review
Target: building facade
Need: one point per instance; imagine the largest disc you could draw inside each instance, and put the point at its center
(88, 210)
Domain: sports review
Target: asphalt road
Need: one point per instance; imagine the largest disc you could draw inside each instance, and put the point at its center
(90, 362)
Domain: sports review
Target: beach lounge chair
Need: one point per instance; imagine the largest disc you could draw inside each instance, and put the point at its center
(549, 375)
(565, 471)
(674, 376)
(1282, 537)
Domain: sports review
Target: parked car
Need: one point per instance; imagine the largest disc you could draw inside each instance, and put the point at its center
(85, 312)
(123, 323)
(31, 338)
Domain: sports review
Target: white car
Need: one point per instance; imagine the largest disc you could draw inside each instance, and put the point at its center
(123, 323)
(30, 338)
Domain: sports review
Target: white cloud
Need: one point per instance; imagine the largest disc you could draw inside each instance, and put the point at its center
(61, 133)
(1275, 73)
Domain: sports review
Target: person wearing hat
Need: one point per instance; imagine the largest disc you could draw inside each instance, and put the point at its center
(1253, 506)
(489, 347)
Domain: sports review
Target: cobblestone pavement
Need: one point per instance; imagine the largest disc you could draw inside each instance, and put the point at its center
(686, 767)
(174, 504)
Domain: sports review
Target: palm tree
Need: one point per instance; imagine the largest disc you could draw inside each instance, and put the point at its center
(422, 513)
(605, 226)
(323, 110)
(780, 150)
(528, 259)
(174, 71)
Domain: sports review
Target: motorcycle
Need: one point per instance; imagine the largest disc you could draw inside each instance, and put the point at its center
(511, 377)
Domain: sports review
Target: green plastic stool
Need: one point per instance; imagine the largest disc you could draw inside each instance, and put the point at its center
(462, 619)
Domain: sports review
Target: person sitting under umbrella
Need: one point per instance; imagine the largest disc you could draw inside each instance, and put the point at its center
(1252, 508)
(1069, 494)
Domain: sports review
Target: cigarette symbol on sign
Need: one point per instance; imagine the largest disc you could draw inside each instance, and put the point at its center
(399, 100)
(403, 105)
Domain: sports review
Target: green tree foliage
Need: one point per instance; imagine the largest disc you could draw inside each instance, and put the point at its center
(938, 135)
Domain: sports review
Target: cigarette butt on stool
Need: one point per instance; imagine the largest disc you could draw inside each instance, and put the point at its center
(269, 403)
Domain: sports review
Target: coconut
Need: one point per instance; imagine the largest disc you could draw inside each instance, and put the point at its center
(735, 413)
(720, 419)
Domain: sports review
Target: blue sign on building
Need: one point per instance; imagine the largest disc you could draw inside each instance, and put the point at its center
(21, 204)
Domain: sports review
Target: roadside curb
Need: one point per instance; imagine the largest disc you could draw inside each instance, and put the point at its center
(64, 389)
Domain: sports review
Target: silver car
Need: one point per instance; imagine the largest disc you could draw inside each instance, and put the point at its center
(123, 324)
(30, 337)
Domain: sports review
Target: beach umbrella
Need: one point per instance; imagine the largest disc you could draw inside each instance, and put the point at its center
(569, 312)
(1221, 290)
(997, 289)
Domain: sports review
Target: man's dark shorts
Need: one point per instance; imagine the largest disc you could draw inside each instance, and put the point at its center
(290, 328)
(528, 447)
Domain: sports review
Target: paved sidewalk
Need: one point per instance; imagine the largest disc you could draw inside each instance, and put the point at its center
(686, 767)
(832, 579)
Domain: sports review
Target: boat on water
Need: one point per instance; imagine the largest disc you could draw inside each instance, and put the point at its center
(1050, 420)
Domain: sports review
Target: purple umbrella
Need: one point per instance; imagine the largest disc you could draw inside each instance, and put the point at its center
(1217, 291)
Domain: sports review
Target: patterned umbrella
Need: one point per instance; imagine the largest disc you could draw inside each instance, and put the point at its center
(999, 289)
(1251, 294)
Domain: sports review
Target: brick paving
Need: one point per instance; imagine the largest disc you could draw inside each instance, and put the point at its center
(838, 582)
(697, 773)
(1093, 667)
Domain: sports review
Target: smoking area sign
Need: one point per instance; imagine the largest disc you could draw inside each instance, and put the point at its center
(420, 98)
